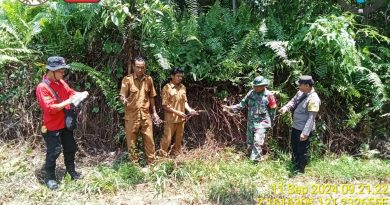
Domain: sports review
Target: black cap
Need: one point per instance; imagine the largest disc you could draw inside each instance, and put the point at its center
(305, 79)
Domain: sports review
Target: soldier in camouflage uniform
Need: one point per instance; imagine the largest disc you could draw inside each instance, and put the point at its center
(261, 105)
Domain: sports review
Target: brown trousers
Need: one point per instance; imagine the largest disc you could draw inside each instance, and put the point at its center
(145, 126)
(170, 130)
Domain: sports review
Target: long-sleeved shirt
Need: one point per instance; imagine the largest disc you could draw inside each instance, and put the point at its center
(53, 118)
(261, 107)
(305, 111)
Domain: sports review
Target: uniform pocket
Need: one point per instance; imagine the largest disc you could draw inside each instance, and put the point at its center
(146, 89)
(172, 93)
(264, 101)
(132, 95)
(172, 96)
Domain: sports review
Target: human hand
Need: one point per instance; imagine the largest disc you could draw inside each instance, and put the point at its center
(156, 119)
(124, 100)
(70, 100)
(282, 110)
(226, 108)
(303, 137)
(194, 112)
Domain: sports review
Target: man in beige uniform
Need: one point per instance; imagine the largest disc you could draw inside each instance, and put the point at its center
(137, 94)
(174, 101)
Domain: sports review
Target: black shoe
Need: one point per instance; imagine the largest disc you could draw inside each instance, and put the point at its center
(52, 184)
(301, 169)
(298, 172)
(74, 175)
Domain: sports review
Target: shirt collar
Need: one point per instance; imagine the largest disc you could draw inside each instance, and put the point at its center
(48, 81)
(139, 78)
(311, 91)
(173, 85)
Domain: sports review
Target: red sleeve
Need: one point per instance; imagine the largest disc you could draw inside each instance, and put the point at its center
(272, 101)
(69, 90)
(45, 99)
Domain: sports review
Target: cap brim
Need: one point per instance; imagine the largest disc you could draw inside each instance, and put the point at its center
(299, 82)
(56, 67)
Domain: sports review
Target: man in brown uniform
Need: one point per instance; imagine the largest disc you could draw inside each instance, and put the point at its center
(174, 101)
(137, 94)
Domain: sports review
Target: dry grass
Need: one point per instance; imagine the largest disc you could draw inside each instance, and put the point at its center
(21, 180)
(212, 174)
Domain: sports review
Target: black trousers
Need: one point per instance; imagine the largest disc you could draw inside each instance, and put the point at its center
(300, 150)
(55, 141)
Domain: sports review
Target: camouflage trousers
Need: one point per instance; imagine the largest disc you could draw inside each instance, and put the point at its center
(255, 136)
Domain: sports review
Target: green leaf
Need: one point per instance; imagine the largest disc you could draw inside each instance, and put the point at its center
(115, 20)
(95, 109)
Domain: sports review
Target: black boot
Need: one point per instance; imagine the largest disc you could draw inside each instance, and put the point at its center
(52, 184)
(70, 169)
(301, 169)
(50, 180)
(74, 175)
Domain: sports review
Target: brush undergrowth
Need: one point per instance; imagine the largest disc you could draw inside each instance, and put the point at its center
(226, 177)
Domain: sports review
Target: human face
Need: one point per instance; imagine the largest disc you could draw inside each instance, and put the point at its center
(59, 74)
(177, 78)
(305, 88)
(139, 68)
(259, 88)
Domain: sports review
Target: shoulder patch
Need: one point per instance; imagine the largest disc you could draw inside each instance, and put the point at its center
(313, 105)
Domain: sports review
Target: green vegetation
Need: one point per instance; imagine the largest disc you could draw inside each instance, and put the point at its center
(226, 178)
(221, 47)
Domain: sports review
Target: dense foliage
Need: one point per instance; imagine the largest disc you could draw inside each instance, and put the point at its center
(221, 48)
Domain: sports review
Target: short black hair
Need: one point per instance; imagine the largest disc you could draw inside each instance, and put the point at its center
(177, 70)
(306, 82)
(139, 58)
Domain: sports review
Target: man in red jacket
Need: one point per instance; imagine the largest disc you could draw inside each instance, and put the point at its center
(54, 131)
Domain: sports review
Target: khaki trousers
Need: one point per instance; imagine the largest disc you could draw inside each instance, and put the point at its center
(145, 126)
(170, 130)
